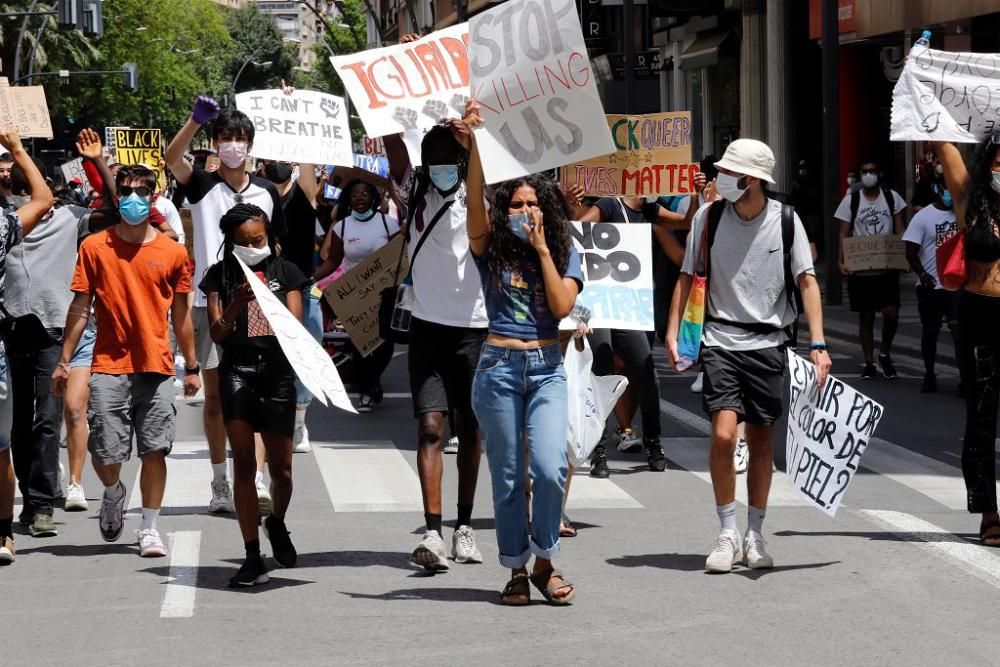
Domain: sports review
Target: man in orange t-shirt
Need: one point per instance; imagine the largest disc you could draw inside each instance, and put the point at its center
(133, 275)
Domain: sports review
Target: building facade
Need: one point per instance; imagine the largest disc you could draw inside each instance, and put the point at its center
(298, 23)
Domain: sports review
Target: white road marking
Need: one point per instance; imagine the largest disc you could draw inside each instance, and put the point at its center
(368, 476)
(189, 478)
(589, 493)
(181, 586)
(973, 559)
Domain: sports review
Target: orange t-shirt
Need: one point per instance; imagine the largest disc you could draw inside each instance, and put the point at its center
(133, 287)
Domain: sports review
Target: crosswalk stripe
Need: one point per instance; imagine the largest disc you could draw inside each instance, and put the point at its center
(181, 585)
(189, 476)
(368, 476)
(938, 481)
(589, 493)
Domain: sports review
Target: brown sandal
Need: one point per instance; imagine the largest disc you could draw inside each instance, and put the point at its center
(551, 581)
(988, 538)
(516, 593)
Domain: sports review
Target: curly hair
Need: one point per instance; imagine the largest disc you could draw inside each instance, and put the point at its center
(507, 252)
(983, 206)
(343, 207)
(232, 275)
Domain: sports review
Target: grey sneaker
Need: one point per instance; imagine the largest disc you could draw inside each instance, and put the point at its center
(43, 526)
(451, 447)
(755, 554)
(150, 544)
(430, 553)
(222, 497)
(463, 546)
(112, 518)
(628, 441)
(728, 551)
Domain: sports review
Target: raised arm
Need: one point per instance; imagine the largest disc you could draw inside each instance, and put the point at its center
(956, 178)
(88, 145)
(205, 109)
(41, 195)
(478, 223)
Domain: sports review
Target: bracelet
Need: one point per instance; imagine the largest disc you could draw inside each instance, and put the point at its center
(223, 323)
(818, 346)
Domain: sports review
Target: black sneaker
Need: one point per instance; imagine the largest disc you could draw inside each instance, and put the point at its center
(888, 370)
(365, 403)
(599, 463)
(281, 544)
(27, 516)
(654, 454)
(251, 573)
(929, 385)
(377, 395)
(869, 372)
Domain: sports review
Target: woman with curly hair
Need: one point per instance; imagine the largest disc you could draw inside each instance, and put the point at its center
(256, 381)
(976, 198)
(531, 276)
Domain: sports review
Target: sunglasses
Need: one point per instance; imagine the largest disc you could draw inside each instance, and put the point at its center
(127, 190)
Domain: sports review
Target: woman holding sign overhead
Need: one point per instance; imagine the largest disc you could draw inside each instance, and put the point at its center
(531, 276)
(256, 381)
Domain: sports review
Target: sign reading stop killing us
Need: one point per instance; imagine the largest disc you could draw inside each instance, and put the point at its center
(617, 264)
(829, 428)
(306, 126)
(532, 78)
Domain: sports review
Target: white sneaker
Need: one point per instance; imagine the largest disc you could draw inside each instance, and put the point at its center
(150, 544)
(741, 457)
(430, 553)
(263, 499)
(300, 437)
(697, 384)
(222, 497)
(62, 475)
(755, 554)
(6, 550)
(463, 546)
(76, 500)
(727, 552)
(451, 447)
(628, 441)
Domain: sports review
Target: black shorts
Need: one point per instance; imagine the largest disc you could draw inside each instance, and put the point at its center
(442, 361)
(258, 387)
(870, 294)
(749, 383)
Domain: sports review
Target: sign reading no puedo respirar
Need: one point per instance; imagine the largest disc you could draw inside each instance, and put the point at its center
(653, 158)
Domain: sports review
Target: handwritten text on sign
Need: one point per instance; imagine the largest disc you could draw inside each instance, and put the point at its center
(946, 96)
(74, 169)
(829, 428)
(141, 146)
(409, 86)
(310, 362)
(307, 126)
(355, 296)
(618, 277)
(532, 78)
(653, 158)
(25, 108)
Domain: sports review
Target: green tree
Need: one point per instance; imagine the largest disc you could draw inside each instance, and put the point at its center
(61, 49)
(256, 39)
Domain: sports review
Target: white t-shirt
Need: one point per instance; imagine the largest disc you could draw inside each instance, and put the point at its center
(169, 211)
(874, 217)
(361, 239)
(930, 228)
(747, 281)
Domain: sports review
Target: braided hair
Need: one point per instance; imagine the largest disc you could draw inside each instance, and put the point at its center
(232, 274)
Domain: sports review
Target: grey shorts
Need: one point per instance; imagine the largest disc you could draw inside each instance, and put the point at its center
(208, 352)
(6, 403)
(120, 405)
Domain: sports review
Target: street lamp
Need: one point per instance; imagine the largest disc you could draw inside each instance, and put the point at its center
(250, 58)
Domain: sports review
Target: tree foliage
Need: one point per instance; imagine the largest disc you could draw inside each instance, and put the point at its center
(256, 39)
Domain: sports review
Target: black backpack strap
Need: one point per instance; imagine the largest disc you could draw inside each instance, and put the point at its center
(385, 225)
(714, 218)
(891, 203)
(787, 241)
(430, 227)
(855, 204)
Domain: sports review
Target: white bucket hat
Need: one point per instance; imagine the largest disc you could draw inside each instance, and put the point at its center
(749, 157)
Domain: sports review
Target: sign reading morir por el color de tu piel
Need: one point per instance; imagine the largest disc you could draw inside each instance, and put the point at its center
(653, 158)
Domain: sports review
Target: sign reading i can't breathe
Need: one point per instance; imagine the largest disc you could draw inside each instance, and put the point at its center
(617, 264)
(306, 126)
(829, 428)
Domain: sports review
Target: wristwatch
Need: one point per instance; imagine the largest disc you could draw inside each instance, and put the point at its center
(193, 371)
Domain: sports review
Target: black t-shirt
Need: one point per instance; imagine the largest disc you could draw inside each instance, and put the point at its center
(252, 328)
(299, 244)
(612, 211)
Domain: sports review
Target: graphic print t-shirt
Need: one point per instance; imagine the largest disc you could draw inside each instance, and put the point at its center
(930, 228)
(874, 217)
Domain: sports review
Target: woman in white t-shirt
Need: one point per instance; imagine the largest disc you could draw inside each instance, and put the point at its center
(358, 230)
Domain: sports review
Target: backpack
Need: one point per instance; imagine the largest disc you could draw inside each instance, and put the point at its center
(791, 289)
(856, 204)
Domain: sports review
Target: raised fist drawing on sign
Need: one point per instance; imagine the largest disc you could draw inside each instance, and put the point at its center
(330, 108)
(406, 117)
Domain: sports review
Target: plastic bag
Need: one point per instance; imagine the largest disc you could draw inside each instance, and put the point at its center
(590, 400)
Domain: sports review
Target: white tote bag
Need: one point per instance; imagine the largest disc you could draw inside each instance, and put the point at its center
(590, 400)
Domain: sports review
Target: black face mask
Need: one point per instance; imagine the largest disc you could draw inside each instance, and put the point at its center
(278, 172)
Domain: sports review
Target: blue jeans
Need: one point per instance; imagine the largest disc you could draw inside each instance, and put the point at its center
(520, 395)
(312, 320)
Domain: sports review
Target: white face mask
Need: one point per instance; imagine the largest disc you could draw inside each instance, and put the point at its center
(939, 169)
(996, 182)
(252, 256)
(869, 180)
(728, 187)
(851, 180)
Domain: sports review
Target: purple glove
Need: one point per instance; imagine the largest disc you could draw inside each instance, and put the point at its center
(205, 109)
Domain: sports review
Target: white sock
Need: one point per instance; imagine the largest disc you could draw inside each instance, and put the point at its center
(258, 478)
(727, 516)
(149, 519)
(114, 491)
(755, 519)
(219, 471)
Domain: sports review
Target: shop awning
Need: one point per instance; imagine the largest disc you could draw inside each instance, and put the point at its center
(704, 50)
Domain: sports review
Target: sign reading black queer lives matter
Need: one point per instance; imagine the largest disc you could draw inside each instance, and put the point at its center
(306, 126)
(829, 428)
(532, 77)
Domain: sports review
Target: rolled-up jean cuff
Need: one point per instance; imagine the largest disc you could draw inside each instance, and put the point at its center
(539, 552)
(516, 562)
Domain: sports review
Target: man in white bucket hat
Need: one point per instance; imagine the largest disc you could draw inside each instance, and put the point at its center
(757, 252)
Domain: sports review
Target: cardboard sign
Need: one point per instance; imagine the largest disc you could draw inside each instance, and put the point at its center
(617, 264)
(829, 428)
(310, 361)
(355, 295)
(25, 108)
(371, 146)
(653, 158)
(306, 127)
(409, 86)
(141, 146)
(875, 253)
(74, 169)
(109, 143)
(371, 169)
(531, 75)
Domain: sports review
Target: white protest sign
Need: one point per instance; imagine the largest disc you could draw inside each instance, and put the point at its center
(310, 362)
(946, 96)
(74, 169)
(617, 264)
(306, 126)
(829, 428)
(532, 78)
(409, 86)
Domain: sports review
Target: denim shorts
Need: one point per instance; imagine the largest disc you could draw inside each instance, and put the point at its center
(83, 356)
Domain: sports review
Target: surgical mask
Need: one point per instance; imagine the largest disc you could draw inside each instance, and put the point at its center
(996, 181)
(363, 216)
(851, 180)
(134, 209)
(443, 176)
(803, 173)
(869, 180)
(946, 199)
(233, 153)
(278, 172)
(252, 256)
(938, 169)
(728, 187)
(516, 224)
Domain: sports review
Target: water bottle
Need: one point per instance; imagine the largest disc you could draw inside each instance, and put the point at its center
(403, 310)
(925, 40)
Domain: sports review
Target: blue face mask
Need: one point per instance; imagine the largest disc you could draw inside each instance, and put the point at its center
(443, 176)
(516, 224)
(134, 209)
(363, 216)
(946, 198)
